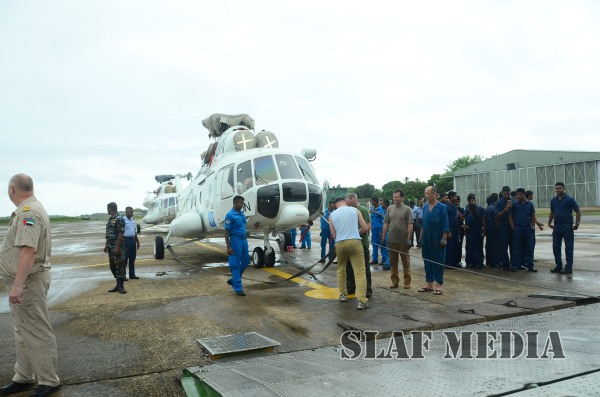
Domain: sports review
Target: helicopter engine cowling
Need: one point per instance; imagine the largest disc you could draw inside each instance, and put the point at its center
(188, 224)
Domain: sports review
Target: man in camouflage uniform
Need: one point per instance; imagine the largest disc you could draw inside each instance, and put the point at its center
(115, 246)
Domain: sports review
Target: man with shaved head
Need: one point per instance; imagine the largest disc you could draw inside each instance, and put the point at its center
(25, 267)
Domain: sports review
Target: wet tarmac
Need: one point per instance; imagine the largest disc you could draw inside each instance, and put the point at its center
(138, 344)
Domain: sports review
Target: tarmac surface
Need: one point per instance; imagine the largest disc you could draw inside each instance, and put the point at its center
(138, 344)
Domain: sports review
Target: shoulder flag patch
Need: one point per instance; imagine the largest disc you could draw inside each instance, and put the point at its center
(28, 221)
(26, 208)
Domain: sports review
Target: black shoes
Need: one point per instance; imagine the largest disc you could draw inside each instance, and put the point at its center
(134, 278)
(240, 293)
(115, 289)
(15, 387)
(555, 270)
(532, 269)
(566, 272)
(44, 390)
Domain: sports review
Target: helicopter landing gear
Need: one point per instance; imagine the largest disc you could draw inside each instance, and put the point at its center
(263, 257)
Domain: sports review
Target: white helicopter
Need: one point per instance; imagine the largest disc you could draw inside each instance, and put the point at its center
(162, 202)
(280, 188)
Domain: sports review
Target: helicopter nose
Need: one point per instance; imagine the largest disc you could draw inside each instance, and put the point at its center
(293, 214)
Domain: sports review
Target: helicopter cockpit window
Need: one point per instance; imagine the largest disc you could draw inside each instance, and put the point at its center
(264, 170)
(244, 177)
(226, 182)
(287, 167)
(306, 170)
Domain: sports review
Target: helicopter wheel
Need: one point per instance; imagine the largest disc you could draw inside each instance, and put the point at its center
(270, 259)
(159, 247)
(258, 257)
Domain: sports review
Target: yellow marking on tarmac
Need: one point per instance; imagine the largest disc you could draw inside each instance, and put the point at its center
(318, 291)
(106, 263)
(211, 247)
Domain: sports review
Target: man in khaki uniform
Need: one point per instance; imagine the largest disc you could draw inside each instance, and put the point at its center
(399, 221)
(25, 267)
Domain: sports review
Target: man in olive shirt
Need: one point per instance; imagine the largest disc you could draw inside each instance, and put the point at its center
(25, 267)
(352, 201)
(399, 221)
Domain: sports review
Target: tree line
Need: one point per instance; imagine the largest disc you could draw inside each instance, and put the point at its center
(414, 189)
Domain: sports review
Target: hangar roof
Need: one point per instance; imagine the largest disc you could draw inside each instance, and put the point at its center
(527, 158)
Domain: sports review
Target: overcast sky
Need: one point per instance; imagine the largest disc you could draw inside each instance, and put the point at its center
(97, 97)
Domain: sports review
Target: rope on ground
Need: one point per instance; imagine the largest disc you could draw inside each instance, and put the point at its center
(492, 276)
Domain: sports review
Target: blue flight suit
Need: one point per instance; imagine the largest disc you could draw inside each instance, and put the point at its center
(504, 232)
(563, 229)
(326, 234)
(435, 223)
(377, 216)
(492, 238)
(522, 213)
(452, 247)
(293, 233)
(235, 224)
(385, 258)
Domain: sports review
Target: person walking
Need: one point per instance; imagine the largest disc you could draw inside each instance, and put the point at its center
(25, 268)
(398, 225)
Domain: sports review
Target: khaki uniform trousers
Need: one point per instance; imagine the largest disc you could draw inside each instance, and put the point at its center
(35, 343)
(394, 251)
(352, 250)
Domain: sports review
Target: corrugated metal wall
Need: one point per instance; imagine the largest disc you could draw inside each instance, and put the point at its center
(581, 182)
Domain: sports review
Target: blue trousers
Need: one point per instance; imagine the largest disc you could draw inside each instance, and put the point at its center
(238, 262)
(130, 254)
(560, 233)
(375, 244)
(521, 247)
(492, 245)
(293, 233)
(505, 241)
(474, 257)
(385, 258)
(325, 239)
(306, 241)
(452, 251)
(433, 259)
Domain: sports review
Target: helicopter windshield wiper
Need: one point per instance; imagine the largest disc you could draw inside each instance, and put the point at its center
(259, 179)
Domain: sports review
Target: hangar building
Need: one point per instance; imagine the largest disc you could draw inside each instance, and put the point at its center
(535, 170)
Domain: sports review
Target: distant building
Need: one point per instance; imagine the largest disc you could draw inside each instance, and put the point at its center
(536, 170)
(334, 192)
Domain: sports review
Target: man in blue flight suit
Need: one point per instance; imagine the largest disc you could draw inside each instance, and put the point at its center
(454, 231)
(561, 212)
(376, 213)
(325, 232)
(237, 244)
(501, 211)
(521, 217)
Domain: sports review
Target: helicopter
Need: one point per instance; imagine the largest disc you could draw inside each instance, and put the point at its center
(280, 188)
(162, 202)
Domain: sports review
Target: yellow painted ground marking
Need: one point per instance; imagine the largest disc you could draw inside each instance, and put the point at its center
(318, 291)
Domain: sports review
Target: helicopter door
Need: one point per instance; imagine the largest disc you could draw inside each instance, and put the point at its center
(224, 191)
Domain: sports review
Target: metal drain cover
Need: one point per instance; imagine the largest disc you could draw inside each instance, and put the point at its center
(236, 343)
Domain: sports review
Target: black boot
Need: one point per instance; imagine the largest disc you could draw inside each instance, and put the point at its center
(116, 287)
(120, 287)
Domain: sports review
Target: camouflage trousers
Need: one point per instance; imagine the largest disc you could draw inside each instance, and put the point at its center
(117, 263)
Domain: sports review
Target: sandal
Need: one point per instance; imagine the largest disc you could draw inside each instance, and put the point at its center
(438, 292)
(425, 289)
